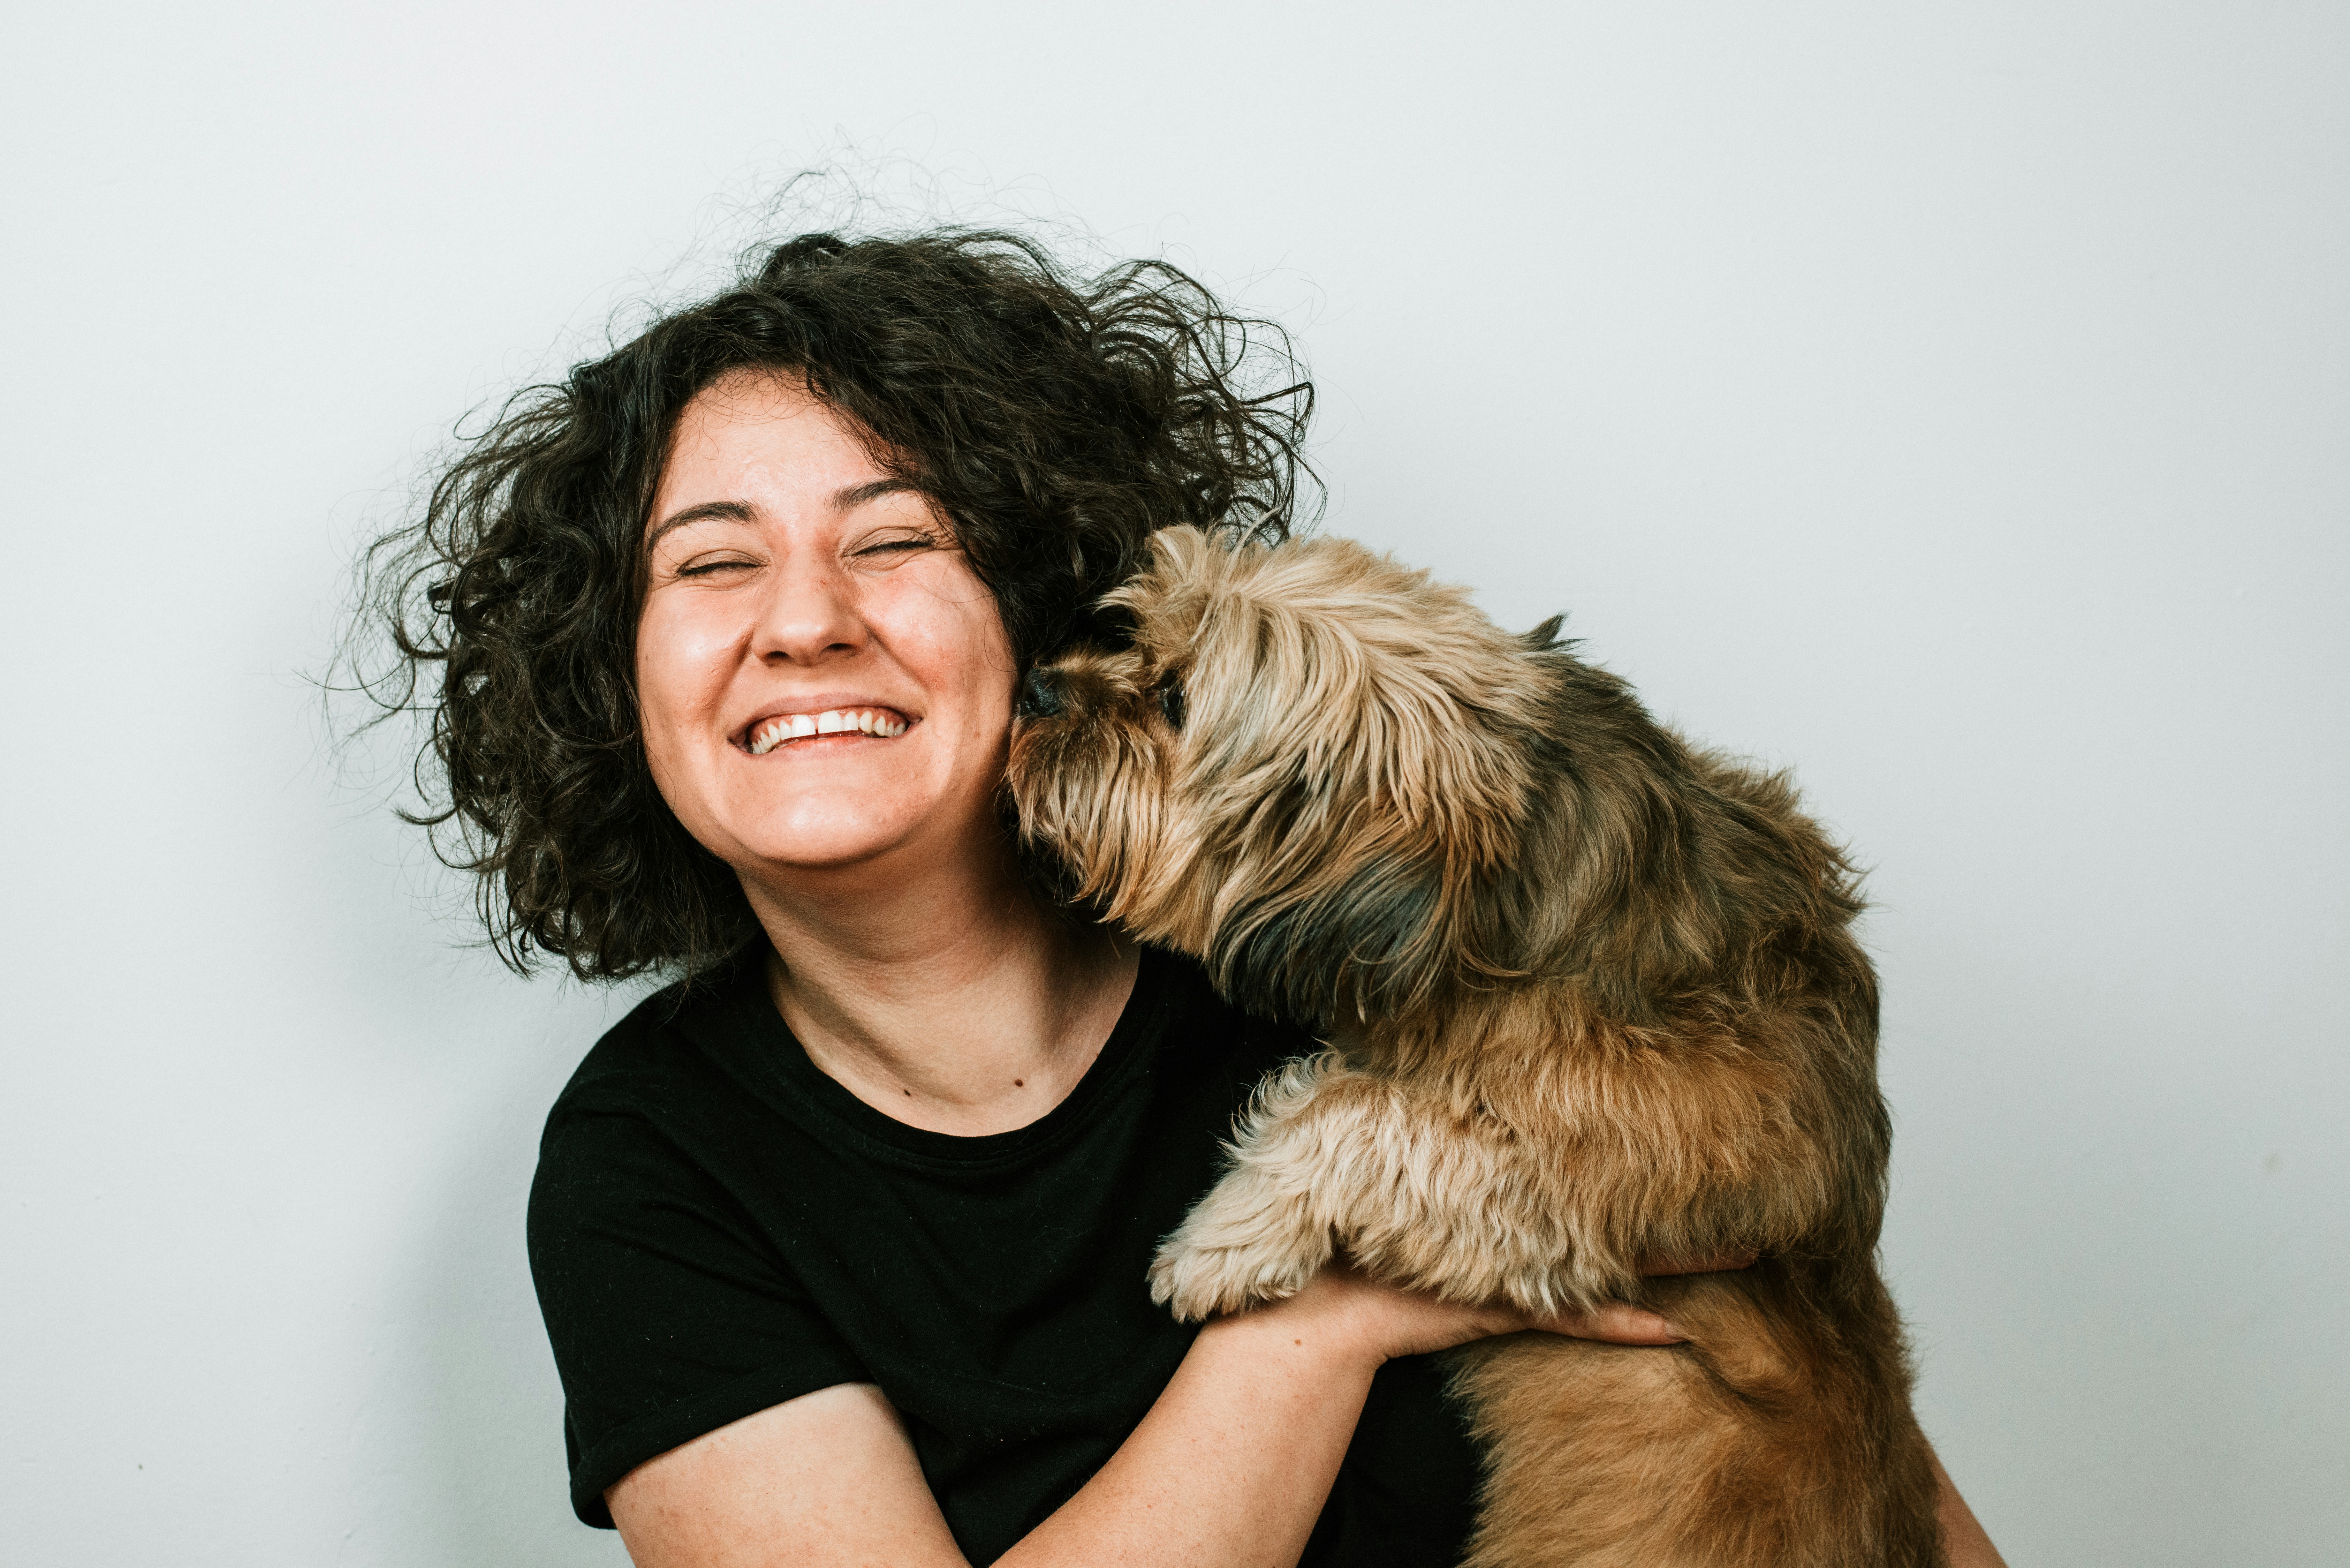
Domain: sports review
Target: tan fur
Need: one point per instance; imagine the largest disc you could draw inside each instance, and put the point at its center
(1593, 1000)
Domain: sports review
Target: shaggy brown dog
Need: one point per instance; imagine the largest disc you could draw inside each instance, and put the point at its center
(1593, 1000)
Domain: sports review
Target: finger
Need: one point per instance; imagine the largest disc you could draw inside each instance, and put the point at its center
(1617, 1323)
(1704, 1264)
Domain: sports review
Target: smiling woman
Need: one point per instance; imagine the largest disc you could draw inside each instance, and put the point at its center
(1042, 423)
(823, 678)
(841, 1239)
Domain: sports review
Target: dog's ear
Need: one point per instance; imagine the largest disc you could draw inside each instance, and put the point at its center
(1380, 939)
(1368, 768)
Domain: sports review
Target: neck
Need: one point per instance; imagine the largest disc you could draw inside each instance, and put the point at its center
(942, 994)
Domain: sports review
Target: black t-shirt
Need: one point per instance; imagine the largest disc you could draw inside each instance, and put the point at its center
(717, 1227)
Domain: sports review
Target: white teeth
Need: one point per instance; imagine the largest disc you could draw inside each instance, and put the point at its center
(833, 722)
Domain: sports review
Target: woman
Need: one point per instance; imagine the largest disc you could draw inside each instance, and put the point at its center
(841, 1239)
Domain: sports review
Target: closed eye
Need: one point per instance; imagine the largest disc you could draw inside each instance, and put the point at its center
(895, 542)
(709, 568)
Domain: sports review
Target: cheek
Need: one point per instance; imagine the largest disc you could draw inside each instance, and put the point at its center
(681, 667)
(951, 637)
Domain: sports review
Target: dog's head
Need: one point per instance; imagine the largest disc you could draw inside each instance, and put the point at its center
(1296, 772)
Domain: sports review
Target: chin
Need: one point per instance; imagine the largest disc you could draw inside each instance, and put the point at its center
(833, 836)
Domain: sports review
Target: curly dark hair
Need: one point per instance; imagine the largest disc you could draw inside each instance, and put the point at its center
(1054, 420)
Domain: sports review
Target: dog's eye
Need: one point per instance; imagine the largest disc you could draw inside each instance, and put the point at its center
(1170, 698)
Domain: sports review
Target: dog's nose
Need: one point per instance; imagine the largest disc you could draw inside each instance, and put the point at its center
(1041, 695)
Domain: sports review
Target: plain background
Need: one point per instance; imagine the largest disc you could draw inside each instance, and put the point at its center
(1948, 401)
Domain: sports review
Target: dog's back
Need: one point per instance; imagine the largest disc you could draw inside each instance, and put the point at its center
(1691, 926)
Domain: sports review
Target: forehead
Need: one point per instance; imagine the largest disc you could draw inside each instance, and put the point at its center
(760, 430)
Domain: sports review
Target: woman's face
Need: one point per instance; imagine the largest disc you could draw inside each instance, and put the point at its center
(824, 681)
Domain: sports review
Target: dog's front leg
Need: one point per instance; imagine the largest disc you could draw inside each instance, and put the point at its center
(1264, 1229)
(1330, 1157)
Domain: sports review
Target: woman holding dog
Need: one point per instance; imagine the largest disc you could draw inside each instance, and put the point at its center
(842, 1242)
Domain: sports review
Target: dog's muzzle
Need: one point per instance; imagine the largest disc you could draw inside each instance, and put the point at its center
(1042, 695)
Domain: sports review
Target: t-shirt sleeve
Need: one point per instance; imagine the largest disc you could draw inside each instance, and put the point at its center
(669, 1315)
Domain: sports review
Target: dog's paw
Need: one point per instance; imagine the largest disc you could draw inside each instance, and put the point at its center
(1198, 1283)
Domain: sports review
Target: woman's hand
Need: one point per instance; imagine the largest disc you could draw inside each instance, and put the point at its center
(1382, 1322)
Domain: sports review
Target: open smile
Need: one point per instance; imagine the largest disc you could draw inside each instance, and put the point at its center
(879, 723)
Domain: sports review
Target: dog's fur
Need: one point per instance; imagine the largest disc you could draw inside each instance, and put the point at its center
(1594, 1001)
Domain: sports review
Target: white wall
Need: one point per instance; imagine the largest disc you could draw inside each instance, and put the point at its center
(1950, 401)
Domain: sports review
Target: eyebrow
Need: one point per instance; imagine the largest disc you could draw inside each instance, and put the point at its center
(705, 512)
(844, 500)
(857, 495)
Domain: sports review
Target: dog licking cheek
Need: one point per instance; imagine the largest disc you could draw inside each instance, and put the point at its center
(1088, 786)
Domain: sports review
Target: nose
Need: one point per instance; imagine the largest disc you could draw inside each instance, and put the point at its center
(806, 617)
(1042, 695)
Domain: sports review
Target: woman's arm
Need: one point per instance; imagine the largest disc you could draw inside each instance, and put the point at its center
(828, 1479)
(1228, 1470)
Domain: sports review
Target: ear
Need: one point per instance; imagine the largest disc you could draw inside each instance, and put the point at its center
(1445, 710)
(1417, 729)
(1381, 938)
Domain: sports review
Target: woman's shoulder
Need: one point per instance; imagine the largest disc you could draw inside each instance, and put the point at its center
(656, 1094)
(657, 1049)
